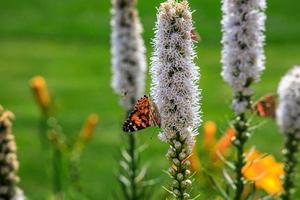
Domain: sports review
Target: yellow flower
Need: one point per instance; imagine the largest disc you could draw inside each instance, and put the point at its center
(89, 127)
(264, 171)
(40, 91)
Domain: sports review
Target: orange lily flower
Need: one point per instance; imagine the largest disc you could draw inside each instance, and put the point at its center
(265, 171)
(223, 144)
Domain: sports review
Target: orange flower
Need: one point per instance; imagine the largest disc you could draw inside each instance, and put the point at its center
(223, 144)
(264, 171)
(195, 161)
(89, 127)
(40, 91)
(209, 129)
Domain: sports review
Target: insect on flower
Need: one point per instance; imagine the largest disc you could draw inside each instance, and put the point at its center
(266, 106)
(144, 114)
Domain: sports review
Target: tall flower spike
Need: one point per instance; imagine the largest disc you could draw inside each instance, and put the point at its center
(243, 40)
(128, 52)
(175, 88)
(9, 164)
(243, 58)
(128, 66)
(288, 119)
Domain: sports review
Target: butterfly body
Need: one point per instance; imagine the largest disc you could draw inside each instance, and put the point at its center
(144, 115)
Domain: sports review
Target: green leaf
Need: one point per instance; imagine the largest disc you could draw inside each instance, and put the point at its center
(218, 187)
(196, 197)
(141, 175)
(124, 180)
(142, 148)
(169, 191)
(226, 162)
(150, 182)
(126, 156)
(124, 165)
(228, 179)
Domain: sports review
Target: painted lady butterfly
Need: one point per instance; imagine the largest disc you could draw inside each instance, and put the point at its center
(266, 106)
(144, 114)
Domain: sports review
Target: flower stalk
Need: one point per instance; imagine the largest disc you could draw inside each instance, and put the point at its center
(241, 126)
(243, 61)
(9, 164)
(288, 119)
(77, 148)
(57, 141)
(290, 159)
(41, 94)
(128, 67)
(175, 90)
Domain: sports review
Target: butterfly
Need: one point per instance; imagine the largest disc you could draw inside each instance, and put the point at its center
(144, 114)
(266, 106)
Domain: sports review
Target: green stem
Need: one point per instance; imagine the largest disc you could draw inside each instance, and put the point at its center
(179, 170)
(132, 153)
(290, 156)
(241, 131)
(180, 174)
(43, 132)
(74, 167)
(57, 173)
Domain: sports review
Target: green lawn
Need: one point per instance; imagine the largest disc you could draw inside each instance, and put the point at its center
(68, 43)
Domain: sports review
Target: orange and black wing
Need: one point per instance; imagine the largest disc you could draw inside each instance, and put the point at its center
(139, 118)
(266, 106)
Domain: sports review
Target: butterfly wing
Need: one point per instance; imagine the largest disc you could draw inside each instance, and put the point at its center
(266, 106)
(139, 118)
(154, 115)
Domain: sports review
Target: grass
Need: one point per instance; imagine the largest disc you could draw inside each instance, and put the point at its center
(68, 43)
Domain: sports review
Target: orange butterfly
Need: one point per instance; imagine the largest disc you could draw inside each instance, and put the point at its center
(266, 106)
(144, 114)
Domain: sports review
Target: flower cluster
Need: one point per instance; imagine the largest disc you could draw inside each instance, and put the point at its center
(243, 41)
(288, 112)
(8, 159)
(175, 89)
(128, 52)
(174, 74)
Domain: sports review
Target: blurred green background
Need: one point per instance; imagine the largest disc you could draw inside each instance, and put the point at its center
(67, 41)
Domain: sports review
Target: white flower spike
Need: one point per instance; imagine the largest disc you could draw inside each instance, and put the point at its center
(174, 74)
(175, 89)
(128, 52)
(243, 57)
(288, 112)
